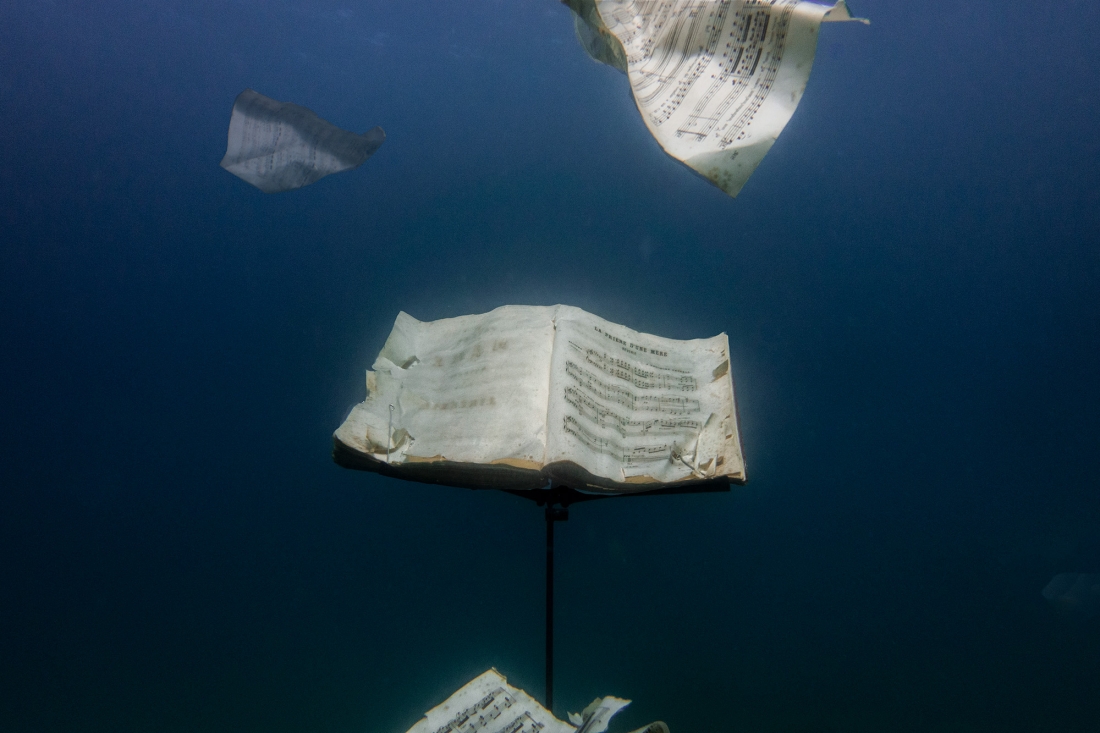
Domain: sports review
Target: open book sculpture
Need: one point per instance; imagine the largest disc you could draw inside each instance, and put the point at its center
(279, 146)
(716, 81)
(524, 394)
(488, 704)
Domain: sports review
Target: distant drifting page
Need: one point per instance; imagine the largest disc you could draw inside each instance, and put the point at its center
(279, 146)
(513, 398)
(716, 81)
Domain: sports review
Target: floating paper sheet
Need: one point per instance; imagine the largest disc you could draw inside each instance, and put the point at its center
(279, 146)
(513, 398)
(488, 704)
(716, 81)
(1074, 593)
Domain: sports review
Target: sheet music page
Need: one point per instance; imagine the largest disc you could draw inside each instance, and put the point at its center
(280, 146)
(470, 389)
(637, 409)
(716, 81)
(488, 704)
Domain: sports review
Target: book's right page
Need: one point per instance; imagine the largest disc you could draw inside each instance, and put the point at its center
(636, 411)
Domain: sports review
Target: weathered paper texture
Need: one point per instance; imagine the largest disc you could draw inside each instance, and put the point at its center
(279, 146)
(513, 398)
(595, 717)
(488, 704)
(716, 81)
(641, 409)
(471, 390)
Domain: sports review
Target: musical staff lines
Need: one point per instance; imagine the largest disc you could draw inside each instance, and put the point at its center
(641, 376)
(488, 709)
(603, 417)
(632, 412)
(628, 456)
(668, 404)
(734, 47)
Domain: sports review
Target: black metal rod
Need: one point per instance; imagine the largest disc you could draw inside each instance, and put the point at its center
(563, 495)
(550, 607)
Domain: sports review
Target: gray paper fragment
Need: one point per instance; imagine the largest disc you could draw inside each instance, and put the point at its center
(1074, 593)
(594, 36)
(279, 146)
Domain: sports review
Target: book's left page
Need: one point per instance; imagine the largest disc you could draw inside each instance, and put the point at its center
(466, 390)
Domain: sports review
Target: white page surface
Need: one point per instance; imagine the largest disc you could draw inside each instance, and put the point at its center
(488, 704)
(471, 389)
(716, 81)
(641, 409)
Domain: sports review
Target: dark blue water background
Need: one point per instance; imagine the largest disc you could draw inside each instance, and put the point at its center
(910, 284)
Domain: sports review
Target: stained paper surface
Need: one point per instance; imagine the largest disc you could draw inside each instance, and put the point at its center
(545, 392)
(716, 81)
(488, 704)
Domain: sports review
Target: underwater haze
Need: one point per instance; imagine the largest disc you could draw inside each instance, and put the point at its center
(910, 283)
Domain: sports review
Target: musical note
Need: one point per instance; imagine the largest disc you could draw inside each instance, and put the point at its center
(669, 404)
(603, 417)
(715, 80)
(628, 456)
(499, 699)
(640, 376)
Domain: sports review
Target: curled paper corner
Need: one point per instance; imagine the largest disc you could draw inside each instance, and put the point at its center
(595, 717)
(840, 12)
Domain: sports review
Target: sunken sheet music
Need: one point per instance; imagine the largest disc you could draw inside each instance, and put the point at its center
(716, 81)
(640, 409)
(522, 395)
(488, 704)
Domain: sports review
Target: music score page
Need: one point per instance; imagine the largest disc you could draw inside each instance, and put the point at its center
(716, 81)
(640, 409)
(548, 393)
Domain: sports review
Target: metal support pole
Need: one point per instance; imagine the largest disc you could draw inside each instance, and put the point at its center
(550, 499)
(554, 513)
(550, 607)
